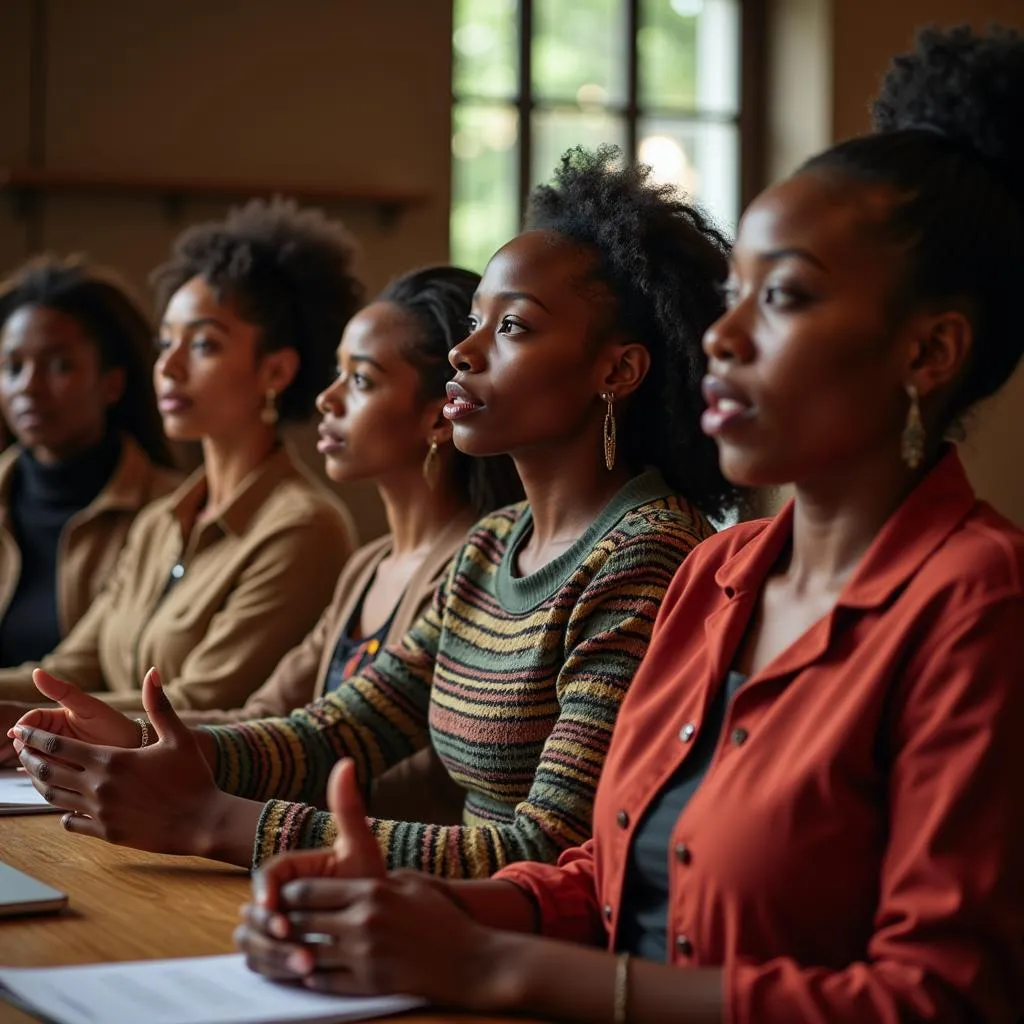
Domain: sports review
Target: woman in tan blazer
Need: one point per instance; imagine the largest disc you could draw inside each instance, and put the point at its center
(382, 420)
(224, 576)
(76, 358)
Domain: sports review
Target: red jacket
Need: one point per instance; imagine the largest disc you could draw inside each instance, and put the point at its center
(856, 850)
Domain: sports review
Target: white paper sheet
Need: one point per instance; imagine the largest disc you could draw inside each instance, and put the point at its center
(19, 796)
(195, 990)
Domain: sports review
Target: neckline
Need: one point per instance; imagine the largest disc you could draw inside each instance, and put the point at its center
(74, 482)
(525, 593)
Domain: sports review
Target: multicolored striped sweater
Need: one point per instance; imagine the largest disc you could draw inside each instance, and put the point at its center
(516, 681)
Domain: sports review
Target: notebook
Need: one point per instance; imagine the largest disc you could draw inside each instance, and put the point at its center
(23, 894)
(19, 796)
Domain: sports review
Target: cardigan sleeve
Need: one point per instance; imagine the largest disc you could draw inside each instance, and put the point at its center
(608, 633)
(949, 929)
(377, 718)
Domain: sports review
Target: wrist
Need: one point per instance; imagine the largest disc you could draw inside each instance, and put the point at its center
(226, 829)
(498, 975)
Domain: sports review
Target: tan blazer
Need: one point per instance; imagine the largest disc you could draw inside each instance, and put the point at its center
(419, 788)
(301, 675)
(92, 539)
(214, 607)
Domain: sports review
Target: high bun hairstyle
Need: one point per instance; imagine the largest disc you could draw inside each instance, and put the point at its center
(949, 141)
(289, 272)
(663, 262)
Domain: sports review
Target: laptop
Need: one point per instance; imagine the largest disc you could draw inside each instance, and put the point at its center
(23, 894)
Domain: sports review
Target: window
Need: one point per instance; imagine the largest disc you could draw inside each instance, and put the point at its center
(659, 78)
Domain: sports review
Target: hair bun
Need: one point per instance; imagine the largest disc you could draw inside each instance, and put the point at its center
(967, 87)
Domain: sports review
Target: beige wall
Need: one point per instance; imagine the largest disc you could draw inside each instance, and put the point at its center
(333, 92)
(844, 47)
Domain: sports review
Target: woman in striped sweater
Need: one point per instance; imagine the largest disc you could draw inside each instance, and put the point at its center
(583, 362)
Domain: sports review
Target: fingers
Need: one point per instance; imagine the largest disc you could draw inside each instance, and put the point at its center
(266, 921)
(81, 825)
(66, 694)
(286, 867)
(50, 745)
(311, 894)
(356, 847)
(46, 775)
(282, 961)
(169, 727)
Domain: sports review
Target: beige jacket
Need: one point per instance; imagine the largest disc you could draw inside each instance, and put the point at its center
(214, 607)
(92, 539)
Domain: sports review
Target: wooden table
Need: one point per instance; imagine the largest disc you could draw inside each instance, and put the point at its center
(125, 905)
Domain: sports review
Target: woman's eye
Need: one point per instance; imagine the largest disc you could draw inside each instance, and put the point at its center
(361, 381)
(203, 345)
(510, 326)
(162, 344)
(472, 324)
(10, 367)
(781, 296)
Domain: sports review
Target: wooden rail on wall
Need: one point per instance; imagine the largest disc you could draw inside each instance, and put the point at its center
(26, 183)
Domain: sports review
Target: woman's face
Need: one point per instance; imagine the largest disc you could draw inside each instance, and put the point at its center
(530, 373)
(53, 390)
(807, 368)
(210, 380)
(375, 421)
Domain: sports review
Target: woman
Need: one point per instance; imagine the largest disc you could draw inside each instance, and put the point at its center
(812, 808)
(223, 577)
(76, 392)
(382, 420)
(583, 362)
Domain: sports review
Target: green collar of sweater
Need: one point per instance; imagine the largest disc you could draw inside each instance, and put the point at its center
(524, 593)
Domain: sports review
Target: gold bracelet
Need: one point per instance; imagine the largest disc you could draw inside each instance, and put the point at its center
(621, 989)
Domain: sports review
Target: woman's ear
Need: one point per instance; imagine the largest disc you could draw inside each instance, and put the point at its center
(631, 364)
(113, 383)
(437, 426)
(278, 369)
(940, 352)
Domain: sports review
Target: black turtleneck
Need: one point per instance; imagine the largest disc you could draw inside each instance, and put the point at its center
(43, 499)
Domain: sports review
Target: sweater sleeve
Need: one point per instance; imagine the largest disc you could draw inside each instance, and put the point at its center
(607, 635)
(377, 718)
(949, 928)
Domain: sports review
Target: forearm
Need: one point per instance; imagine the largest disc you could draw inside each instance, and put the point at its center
(501, 905)
(229, 831)
(560, 981)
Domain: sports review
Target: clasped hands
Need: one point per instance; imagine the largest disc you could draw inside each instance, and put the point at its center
(334, 920)
(83, 757)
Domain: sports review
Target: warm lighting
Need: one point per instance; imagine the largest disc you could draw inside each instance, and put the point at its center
(666, 159)
(591, 95)
(500, 130)
(688, 8)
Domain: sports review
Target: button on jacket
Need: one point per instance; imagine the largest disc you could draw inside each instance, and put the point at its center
(216, 612)
(855, 852)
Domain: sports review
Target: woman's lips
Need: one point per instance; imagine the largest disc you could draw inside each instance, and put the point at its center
(461, 403)
(329, 442)
(171, 404)
(728, 407)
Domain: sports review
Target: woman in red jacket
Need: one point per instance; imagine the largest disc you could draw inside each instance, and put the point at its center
(813, 808)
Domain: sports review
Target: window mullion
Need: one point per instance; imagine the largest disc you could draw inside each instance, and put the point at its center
(525, 102)
(632, 77)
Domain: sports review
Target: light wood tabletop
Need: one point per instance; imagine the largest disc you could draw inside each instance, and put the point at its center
(125, 905)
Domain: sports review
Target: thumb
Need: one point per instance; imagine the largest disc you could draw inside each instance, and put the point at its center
(169, 727)
(66, 694)
(355, 844)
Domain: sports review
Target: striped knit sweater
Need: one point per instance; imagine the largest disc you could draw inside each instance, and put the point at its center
(515, 680)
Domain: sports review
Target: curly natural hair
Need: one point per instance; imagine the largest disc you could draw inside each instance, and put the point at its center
(949, 142)
(663, 261)
(105, 309)
(438, 300)
(289, 272)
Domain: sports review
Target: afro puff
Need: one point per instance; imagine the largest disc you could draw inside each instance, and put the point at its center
(289, 272)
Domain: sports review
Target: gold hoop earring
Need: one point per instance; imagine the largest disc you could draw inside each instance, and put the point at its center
(430, 464)
(269, 414)
(609, 431)
(913, 437)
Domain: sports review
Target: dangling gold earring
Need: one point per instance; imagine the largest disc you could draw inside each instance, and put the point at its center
(913, 436)
(269, 414)
(430, 464)
(609, 431)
